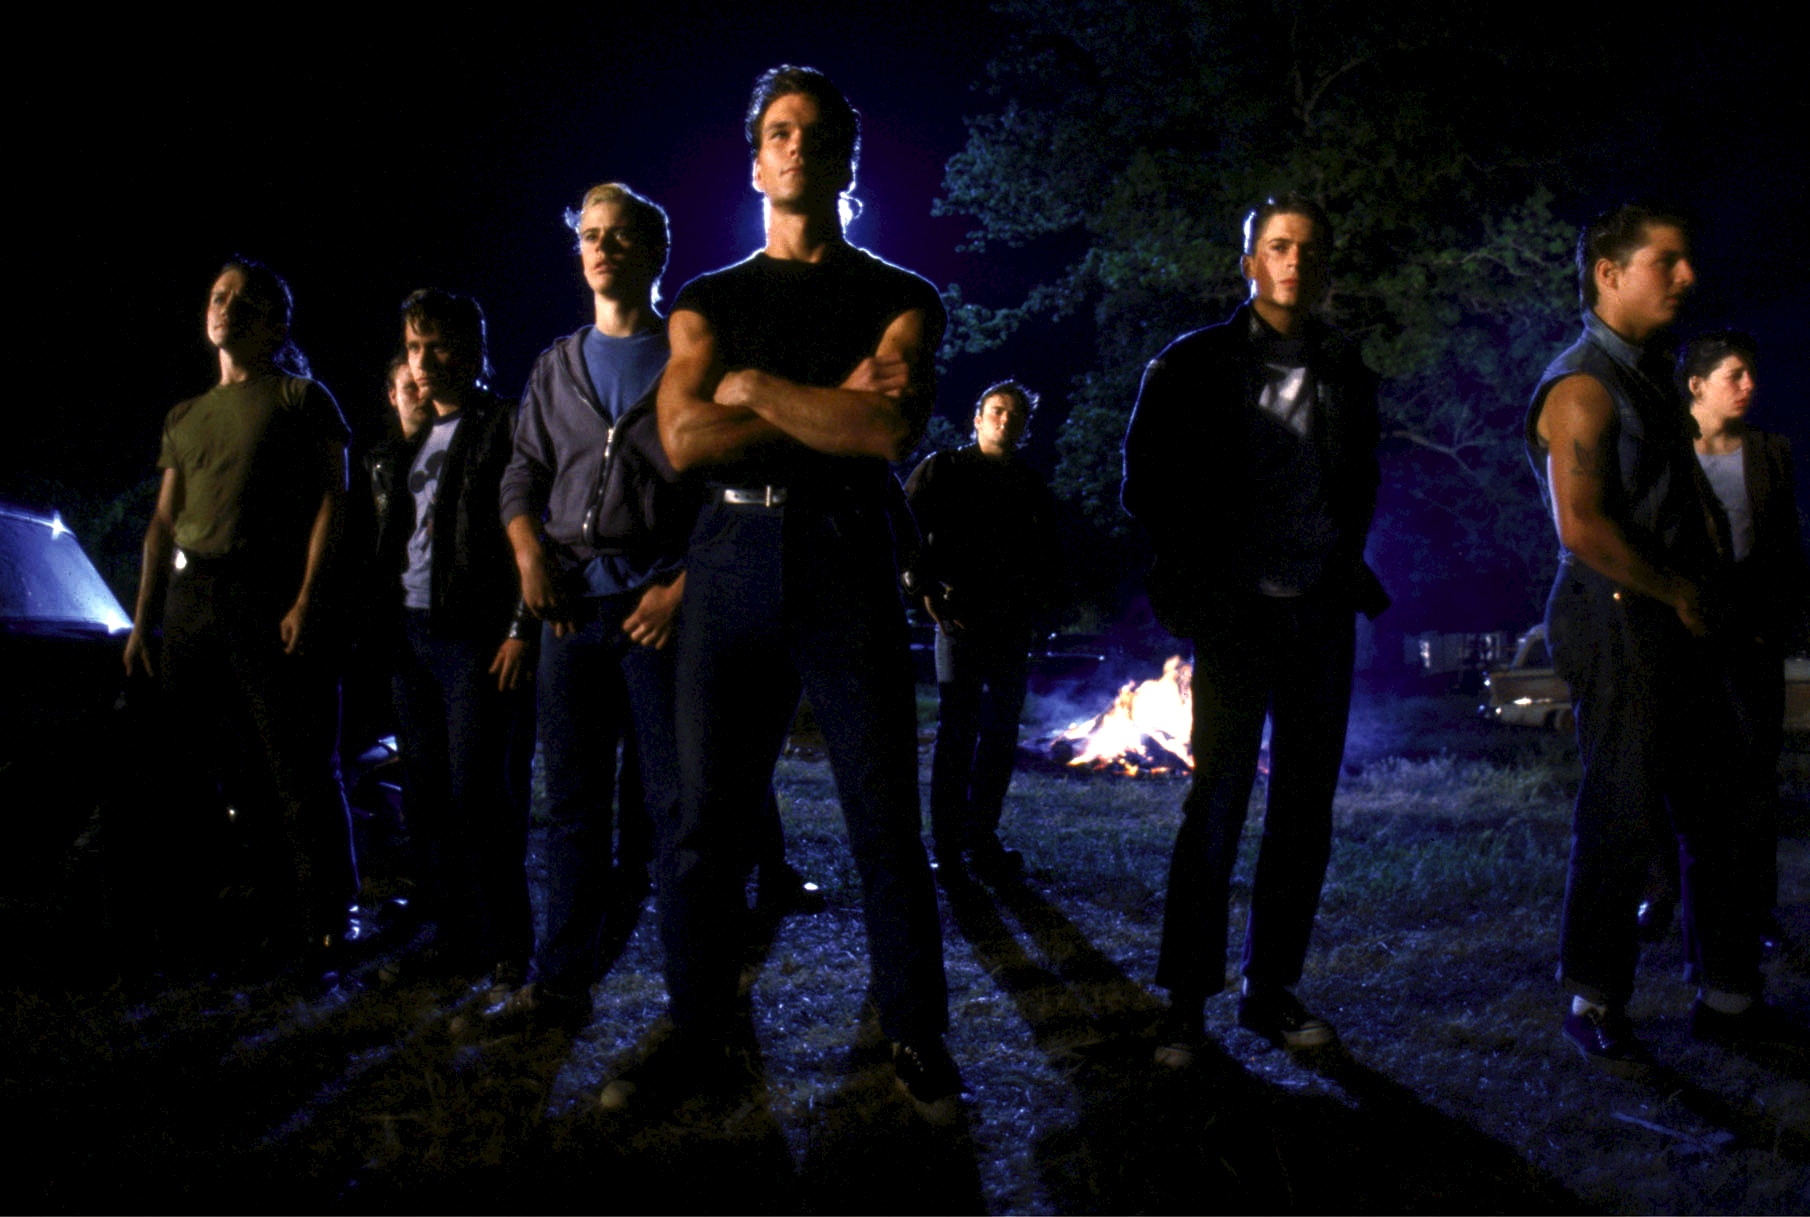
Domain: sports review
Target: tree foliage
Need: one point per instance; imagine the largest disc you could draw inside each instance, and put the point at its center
(1125, 143)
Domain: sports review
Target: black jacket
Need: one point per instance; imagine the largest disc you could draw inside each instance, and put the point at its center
(474, 590)
(1188, 479)
(1772, 585)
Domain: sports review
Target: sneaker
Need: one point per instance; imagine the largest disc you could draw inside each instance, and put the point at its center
(1178, 1039)
(685, 1066)
(1278, 1016)
(1758, 1028)
(1607, 1041)
(928, 1078)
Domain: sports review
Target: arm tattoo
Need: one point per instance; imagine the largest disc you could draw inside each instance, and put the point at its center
(1589, 460)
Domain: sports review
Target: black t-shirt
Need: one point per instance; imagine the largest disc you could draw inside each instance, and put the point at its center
(812, 323)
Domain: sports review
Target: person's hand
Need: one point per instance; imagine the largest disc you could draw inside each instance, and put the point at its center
(1687, 601)
(293, 626)
(510, 667)
(138, 655)
(880, 374)
(945, 621)
(735, 388)
(540, 593)
(651, 624)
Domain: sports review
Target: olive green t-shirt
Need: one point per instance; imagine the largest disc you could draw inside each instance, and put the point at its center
(253, 460)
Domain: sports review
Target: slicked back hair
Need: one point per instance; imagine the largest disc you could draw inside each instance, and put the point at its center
(1286, 204)
(277, 303)
(1704, 353)
(1616, 235)
(839, 125)
(460, 319)
(648, 217)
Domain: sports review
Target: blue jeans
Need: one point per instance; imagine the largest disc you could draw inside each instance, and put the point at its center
(466, 750)
(779, 599)
(598, 688)
(1290, 660)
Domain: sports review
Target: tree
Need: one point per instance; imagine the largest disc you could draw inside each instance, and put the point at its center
(1126, 142)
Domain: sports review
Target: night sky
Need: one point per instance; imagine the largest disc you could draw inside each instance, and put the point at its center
(364, 159)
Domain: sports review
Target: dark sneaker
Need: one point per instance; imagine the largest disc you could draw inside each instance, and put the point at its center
(929, 1078)
(1759, 1028)
(1607, 1041)
(1178, 1039)
(685, 1066)
(1278, 1016)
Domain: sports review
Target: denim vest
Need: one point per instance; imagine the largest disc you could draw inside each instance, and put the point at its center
(1655, 499)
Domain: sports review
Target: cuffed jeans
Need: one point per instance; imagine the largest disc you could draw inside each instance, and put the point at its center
(1659, 738)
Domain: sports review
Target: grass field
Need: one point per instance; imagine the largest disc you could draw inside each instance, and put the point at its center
(1433, 956)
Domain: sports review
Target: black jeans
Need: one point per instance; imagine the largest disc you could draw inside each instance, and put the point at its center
(229, 688)
(981, 676)
(466, 750)
(598, 689)
(777, 599)
(1659, 736)
(1289, 660)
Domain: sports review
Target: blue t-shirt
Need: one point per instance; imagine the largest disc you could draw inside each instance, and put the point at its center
(622, 371)
(424, 484)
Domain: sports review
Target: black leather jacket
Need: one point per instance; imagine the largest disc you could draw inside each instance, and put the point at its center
(475, 589)
(1187, 475)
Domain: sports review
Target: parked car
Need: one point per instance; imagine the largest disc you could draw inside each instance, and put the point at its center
(1529, 693)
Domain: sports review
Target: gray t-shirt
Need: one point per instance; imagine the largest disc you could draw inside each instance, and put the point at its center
(424, 485)
(1727, 473)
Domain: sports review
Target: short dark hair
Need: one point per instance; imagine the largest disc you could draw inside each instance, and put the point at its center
(1705, 353)
(839, 122)
(1016, 390)
(1286, 204)
(398, 361)
(270, 291)
(1616, 234)
(459, 318)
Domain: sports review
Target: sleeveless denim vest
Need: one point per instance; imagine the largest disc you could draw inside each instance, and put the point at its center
(1655, 498)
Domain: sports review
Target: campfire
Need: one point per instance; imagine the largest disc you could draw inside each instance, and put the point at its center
(1144, 731)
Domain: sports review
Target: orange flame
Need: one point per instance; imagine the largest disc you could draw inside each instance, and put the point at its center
(1145, 730)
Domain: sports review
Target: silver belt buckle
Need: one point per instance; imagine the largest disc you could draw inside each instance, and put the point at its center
(757, 496)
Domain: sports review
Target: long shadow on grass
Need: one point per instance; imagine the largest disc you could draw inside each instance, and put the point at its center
(1214, 1137)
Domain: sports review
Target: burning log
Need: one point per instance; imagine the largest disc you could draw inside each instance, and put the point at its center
(1144, 731)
